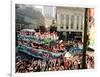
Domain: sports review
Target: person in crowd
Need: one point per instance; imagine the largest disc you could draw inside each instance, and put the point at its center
(51, 63)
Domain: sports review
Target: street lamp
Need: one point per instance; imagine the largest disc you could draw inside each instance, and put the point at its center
(85, 39)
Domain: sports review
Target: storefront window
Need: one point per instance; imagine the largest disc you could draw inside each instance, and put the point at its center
(77, 23)
(72, 21)
(62, 20)
(81, 22)
(67, 21)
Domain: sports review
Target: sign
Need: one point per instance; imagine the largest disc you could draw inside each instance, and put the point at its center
(39, 53)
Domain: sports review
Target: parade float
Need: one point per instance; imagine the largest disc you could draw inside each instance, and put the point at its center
(31, 36)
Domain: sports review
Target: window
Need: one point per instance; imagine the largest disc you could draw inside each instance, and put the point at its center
(67, 21)
(61, 27)
(72, 22)
(81, 22)
(62, 21)
(77, 26)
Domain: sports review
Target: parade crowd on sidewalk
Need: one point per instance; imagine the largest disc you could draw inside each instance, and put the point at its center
(74, 62)
(60, 64)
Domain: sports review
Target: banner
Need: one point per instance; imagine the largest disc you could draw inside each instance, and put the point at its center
(39, 53)
(34, 39)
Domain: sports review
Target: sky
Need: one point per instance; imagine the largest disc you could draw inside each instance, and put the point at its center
(47, 11)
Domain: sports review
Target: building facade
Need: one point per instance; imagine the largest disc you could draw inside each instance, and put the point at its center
(70, 22)
(28, 17)
(49, 15)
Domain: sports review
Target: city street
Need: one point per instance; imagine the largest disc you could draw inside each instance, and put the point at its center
(50, 38)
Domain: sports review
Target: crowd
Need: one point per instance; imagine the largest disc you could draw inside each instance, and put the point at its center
(90, 62)
(73, 43)
(53, 48)
(40, 35)
(37, 65)
(24, 65)
(58, 45)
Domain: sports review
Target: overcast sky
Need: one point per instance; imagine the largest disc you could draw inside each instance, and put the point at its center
(48, 11)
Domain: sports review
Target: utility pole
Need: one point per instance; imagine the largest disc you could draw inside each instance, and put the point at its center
(85, 39)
